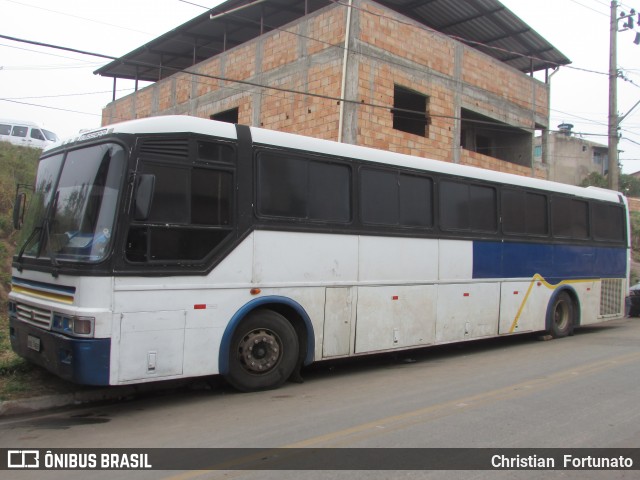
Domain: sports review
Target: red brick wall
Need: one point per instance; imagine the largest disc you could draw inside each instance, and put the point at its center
(478, 160)
(386, 49)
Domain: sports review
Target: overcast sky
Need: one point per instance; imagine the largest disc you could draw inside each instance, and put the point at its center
(59, 89)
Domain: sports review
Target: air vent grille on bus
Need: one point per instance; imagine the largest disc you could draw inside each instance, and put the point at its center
(611, 296)
(166, 147)
(39, 317)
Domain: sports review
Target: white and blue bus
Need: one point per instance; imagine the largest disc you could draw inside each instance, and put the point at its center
(175, 247)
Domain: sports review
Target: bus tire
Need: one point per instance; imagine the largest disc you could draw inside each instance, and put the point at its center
(561, 316)
(263, 352)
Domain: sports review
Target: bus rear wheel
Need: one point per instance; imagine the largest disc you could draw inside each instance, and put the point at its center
(561, 316)
(264, 351)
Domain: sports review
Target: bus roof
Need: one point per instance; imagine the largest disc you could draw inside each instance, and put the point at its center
(183, 124)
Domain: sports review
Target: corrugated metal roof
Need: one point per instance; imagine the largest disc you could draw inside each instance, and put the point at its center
(486, 25)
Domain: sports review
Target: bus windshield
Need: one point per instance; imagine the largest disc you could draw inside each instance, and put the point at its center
(72, 213)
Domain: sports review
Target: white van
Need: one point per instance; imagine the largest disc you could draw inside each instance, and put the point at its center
(26, 134)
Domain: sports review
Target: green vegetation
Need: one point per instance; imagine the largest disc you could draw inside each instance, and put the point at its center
(17, 165)
(629, 185)
(18, 378)
(635, 246)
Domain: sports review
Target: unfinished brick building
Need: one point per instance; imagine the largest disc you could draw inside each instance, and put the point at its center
(451, 81)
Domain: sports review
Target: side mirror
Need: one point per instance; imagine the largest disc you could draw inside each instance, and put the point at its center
(145, 187)
(18, 210)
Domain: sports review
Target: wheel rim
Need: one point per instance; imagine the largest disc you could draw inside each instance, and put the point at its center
(561, 315)
(260, 351)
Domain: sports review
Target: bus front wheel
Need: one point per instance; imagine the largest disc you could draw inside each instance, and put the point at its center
(263, 353)
(561, 316)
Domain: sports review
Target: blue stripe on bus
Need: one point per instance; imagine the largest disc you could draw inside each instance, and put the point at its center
(553, 262)
(49, 287)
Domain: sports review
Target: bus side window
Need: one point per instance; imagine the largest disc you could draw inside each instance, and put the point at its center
(137, 245)
(569, 218)
(190, 214)
(293, 187)
(524, 213)
(468, 207)
(608, 223)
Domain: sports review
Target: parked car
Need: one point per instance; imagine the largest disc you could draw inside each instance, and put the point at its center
(26, 134)
(633, 301)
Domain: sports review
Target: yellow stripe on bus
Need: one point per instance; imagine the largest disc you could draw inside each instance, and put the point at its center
(539, 278)
(68, 299)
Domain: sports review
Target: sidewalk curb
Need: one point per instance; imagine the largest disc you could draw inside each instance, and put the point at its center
(89, 395)
(47, 402)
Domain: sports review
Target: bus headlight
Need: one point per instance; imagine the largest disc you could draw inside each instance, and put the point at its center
(72, 325)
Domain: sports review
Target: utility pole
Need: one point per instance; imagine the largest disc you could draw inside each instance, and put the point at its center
(613, 98)
(614, 118)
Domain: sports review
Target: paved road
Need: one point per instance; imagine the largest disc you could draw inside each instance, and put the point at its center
(582, 391)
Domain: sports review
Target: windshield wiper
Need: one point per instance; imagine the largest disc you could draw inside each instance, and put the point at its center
(50, 252)
(47, 231)
(45, 235)
(26, 244)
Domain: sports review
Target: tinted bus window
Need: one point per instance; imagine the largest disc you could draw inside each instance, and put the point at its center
(608, 222)
(570, 218)
(524, 213)
(468, 207)
(294, 187)
(416, 201)
(390, 198)
(379, 197)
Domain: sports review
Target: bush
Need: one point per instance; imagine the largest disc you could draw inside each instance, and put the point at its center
(17, 165)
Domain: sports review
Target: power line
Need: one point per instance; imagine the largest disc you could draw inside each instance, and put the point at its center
(255, 84)
(58, 47)
(64, 95)
(592, 9)
(433, 73)
(77, 17)
(595, 122)
(404, 66)
(361, 103)
(465, 40)
(46, 53)
(52, 108)
(87, 19)
(194, 4)
(287, 90)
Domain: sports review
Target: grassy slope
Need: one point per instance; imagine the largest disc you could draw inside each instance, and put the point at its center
(17, 165)
(17, 377)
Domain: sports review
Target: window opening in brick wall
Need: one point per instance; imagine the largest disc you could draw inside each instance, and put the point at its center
(410, 111)
(493, 138)
(229, 116)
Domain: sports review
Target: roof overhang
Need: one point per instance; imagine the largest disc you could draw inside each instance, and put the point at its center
(486, 25)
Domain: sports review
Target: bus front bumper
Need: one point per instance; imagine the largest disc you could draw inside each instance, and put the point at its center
(80, 360)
